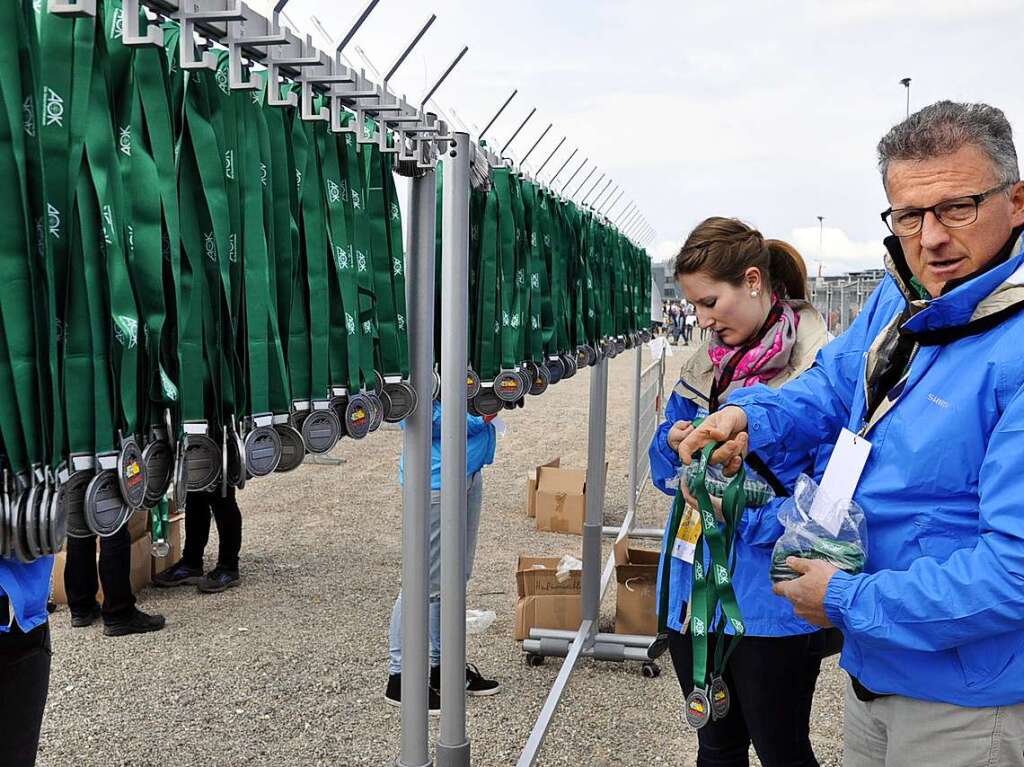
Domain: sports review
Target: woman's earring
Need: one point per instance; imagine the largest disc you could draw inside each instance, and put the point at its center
(755, 293)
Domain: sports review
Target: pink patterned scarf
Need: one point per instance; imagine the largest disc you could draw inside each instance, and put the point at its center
(761, 358)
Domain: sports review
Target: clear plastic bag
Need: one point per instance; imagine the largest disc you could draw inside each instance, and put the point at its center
(834, 532)
(478, 621)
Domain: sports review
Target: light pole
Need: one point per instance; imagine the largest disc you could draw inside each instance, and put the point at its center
(821, 243)
(905, 82)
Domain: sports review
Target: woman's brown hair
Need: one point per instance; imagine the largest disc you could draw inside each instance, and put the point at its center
(724, 248)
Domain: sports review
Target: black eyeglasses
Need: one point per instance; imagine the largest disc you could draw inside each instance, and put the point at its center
(960, 211)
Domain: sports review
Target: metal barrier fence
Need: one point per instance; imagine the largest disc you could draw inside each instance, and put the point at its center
(648, 404)
(841, 302)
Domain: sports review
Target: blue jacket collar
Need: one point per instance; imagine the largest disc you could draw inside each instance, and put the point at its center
(967, 305)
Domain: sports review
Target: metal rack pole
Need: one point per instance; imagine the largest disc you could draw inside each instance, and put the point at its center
(417, 465)
(453, 743)
(594, 519)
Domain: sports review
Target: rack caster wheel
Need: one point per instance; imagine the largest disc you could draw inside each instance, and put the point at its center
(650, 670)
(534, 660)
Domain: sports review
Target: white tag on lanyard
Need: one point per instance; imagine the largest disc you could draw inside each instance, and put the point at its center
(840, 480)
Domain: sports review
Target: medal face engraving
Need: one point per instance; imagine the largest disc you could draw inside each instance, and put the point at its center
(131, 474)
(698, 709)
(105, 509)
(203, 459)
(357, 417)
(399, 400)
(158, 459)
(292, 448)
(508, 386)
(376, 410)
(719, 698)
(472, 384)
(320, 431)
(487, 402)
(556, 369)
(262, 450)
(539, 378)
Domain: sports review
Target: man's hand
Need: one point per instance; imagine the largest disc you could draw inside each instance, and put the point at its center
(680, 430)
(729, 426)
(716, 503)
(807, 593)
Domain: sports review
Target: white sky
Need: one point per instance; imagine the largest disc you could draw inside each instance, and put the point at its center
(765, 110)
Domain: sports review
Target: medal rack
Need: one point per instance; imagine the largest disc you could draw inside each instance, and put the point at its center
(235, 41)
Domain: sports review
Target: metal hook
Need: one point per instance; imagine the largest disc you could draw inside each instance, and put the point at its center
(594, 205)
(535, 143)
(576, 173)
(521, 126)
(131, 28)
(553, 153)
(444, 77)
(355, 26)
(254, 31)
(497, 115)
(564, 164)
(73, 8)
(623, 213)
(596, 184)
(584, 183)
(614, 202)
(408, 50)
(206, 11)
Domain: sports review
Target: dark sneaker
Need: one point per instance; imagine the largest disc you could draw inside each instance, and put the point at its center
(81, 620)
(218, 580)
(178, 574)
(479, 686)
(393, 694)
(476, 684)
(138, 623)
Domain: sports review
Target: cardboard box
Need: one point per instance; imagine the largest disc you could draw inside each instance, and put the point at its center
(175, 533)
(561, 499)
(531, 486)
(636, 607)
(139, 573)
(138, 524)
(543, 600)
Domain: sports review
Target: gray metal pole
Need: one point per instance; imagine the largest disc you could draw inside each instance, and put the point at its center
(594, 520)
(634, 448)
(453, 743)
(416, 491)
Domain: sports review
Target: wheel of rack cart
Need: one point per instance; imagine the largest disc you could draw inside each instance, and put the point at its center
(533, 660)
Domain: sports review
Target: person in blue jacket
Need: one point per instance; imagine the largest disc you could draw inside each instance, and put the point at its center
(24, 657)
(931, 375)
(750, 293)
(480, 444)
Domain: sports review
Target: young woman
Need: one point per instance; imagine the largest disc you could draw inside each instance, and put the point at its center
(749, 294)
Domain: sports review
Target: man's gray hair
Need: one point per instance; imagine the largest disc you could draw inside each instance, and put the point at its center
(944, 128)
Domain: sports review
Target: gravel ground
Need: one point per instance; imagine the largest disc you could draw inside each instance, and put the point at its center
(290, 668)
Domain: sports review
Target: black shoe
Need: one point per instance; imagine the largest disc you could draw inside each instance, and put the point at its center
(218, 580)
(178, 574)
(393, 694)
(477, 685)
(138, 623)
(81, 620)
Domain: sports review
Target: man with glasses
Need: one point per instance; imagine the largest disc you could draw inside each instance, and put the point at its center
(930, 379)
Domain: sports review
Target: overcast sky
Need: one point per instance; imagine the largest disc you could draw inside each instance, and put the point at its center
(769, 111)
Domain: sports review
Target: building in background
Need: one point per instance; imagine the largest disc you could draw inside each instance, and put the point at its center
(661, 272)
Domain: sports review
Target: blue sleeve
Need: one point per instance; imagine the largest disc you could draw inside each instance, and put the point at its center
(665, 461)
(974, 594)
(788, 423)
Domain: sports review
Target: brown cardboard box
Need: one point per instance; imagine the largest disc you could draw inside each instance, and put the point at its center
(138, 524)
(140, 571)
(175, 531)
(531, 486)
(543, 601)
(561, 499)
(636, 571)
